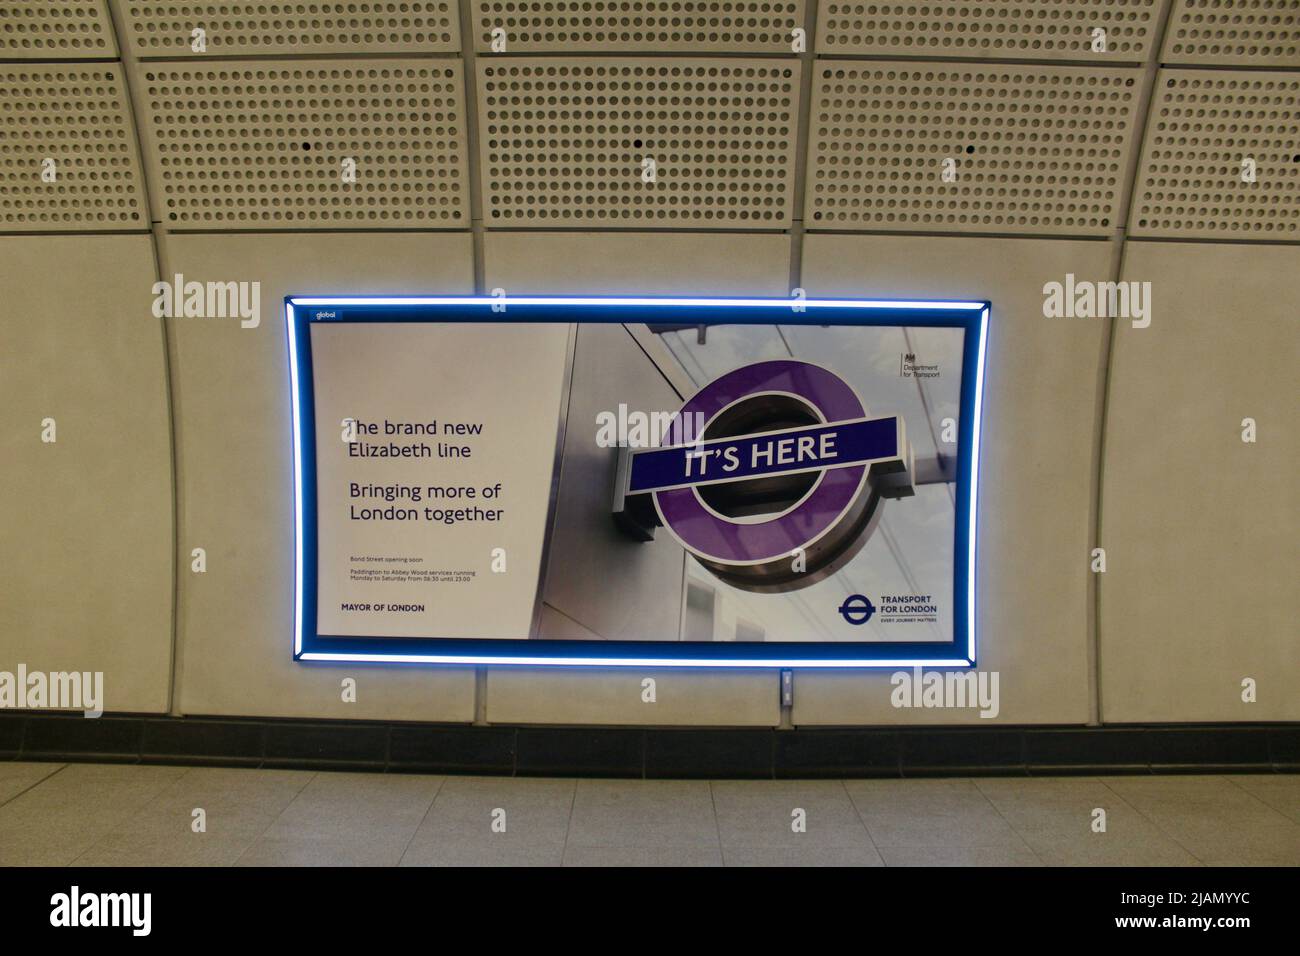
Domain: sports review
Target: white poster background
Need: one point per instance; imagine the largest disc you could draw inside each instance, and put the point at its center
(426, 578)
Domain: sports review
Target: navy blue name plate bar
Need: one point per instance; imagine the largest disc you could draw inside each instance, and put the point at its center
(784, 452)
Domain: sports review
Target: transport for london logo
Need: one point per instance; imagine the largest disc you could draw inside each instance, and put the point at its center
(781, 487)
(857, 609)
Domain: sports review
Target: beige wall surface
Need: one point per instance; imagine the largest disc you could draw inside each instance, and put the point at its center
(235, 473)
(1036, 468)
(86, 521)
(1199, 526)
(97, 530)
(640, 263)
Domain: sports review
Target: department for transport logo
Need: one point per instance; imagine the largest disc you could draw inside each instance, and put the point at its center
(909, 367)
(783, 484)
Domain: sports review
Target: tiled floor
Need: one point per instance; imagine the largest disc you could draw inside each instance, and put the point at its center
(88, 814)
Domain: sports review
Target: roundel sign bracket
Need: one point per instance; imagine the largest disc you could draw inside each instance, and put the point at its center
(773, 476)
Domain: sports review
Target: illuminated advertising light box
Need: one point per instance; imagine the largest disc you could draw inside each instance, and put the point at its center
(636, 481)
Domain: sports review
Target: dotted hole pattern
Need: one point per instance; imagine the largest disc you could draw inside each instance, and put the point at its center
(1035, 149)
(1246, 32)
(1203, 125)
(1028, 29)
(44, 114)
(563, 142)
(51, 29)
(248, 27)
(624, 25)
(265, 146)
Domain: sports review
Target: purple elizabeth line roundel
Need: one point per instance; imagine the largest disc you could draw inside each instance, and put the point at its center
(722, 541)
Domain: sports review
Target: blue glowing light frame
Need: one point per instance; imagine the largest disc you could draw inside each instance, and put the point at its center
(309, 645)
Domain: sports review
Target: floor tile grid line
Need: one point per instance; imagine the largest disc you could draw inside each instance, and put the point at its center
(267, 829)
(685, 847)
(427, 810)
(1011, 826)
(1155, 823)
(1174, 836)
(126, 820)
(118, 822)
(1237, 783)
(862, 820)
(992, 806)
(34, 785)
(1111, 793)
(718, 827)
(1285, 814)
(568, 825)
(980, 785)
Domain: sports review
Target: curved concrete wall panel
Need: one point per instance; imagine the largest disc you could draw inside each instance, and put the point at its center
(235, 473)
(1198, 524)
(481, 168)
(86, 565)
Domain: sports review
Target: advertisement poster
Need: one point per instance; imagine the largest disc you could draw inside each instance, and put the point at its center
(601, 490)
(428, 469)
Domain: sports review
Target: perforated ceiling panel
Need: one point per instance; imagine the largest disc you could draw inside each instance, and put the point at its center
(55, 30)
(247, 27)
(562, 26)
(573, 142)
(930, 147)
(1210, 133)
(267, 145)
(1013, 29)
(69, 159)
(1246, 32)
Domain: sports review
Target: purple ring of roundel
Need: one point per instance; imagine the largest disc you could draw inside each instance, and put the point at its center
(731, 542)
